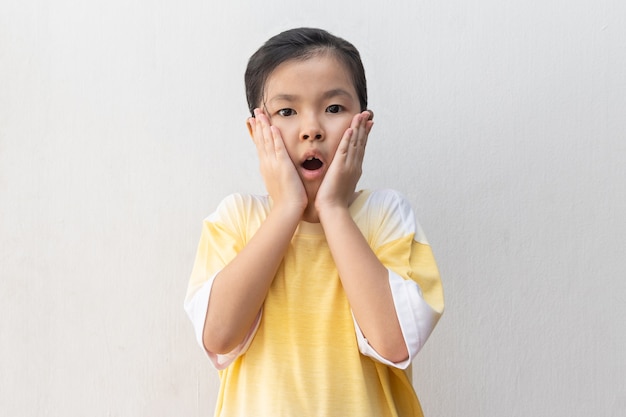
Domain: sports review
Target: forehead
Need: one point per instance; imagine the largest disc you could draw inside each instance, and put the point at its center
(310, 77)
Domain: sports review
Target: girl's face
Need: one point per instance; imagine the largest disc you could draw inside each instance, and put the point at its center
(312, 103)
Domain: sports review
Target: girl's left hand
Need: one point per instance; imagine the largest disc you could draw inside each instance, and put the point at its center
(337, 188)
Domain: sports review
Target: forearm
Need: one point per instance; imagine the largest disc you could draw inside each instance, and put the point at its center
(366, 283)
(239, 289)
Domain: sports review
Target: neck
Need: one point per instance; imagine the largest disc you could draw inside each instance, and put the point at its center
(310, 213)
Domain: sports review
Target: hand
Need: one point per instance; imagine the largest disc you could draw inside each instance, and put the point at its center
(278, 171)
(337, 188)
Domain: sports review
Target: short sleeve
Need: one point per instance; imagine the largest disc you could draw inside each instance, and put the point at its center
(223, 235)
(400, 244)
(220, 241)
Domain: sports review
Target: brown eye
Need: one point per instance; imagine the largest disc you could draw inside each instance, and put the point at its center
(335, 108)
(286, 112)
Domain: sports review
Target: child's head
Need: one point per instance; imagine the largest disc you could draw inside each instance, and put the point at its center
(301, 44)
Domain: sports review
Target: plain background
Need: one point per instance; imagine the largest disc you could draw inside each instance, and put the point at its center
(122, 126)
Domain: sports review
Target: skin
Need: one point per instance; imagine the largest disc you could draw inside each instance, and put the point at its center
(310, 109)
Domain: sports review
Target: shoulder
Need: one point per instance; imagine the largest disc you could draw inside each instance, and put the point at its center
(241, 211)
(390, 213)
(387, 199)
(238, 202)
(385, 204)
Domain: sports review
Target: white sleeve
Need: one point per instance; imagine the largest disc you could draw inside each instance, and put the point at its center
(196, 308)
(417, 320)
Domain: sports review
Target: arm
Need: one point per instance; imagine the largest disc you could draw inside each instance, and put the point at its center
(400, 244)
(366, 283)
(240, 288)
(364, 278)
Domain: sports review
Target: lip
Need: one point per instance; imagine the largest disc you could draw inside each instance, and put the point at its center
(312, 174)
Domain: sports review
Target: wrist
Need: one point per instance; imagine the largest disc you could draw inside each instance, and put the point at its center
(288, 211)
(332, 212)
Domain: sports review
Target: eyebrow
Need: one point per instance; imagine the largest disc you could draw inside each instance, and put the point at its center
(284, 97)
(327, 95)
(336, 92)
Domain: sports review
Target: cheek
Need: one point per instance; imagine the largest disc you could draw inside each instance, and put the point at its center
(282, 124)
(338, 127)
(335, 133)
(287, 130)
(289, 134)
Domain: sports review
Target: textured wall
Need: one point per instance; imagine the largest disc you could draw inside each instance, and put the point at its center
(122, 126)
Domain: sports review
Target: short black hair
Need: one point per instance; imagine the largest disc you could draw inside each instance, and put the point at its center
(301, 44)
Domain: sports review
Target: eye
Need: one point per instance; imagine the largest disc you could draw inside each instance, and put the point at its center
(286, 112)
(334, 108)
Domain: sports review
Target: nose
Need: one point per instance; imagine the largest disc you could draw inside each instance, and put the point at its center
(311, 129)
(317, 136)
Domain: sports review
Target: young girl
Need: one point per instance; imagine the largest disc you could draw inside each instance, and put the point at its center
(312, 300)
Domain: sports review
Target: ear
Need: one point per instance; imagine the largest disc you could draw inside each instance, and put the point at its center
(249, 127)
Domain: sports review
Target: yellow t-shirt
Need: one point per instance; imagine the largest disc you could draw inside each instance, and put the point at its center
(304, 359)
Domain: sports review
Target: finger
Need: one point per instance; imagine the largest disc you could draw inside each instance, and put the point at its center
(365, 126)
(266, 128)
(359, 139)
(263, 133)
(278, 143)
(253, 127)
(370, 125)
(257, 124)
(281, 154)
(356, 138)
(256, 133)
(345, 144)
(370, 121)
(264, 138)
(356, 126)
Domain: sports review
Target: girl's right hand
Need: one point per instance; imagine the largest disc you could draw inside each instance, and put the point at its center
(279, 173)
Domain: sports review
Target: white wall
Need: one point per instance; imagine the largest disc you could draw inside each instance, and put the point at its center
(122, 126)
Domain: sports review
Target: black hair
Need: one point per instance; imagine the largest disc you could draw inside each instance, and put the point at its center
(301, 44)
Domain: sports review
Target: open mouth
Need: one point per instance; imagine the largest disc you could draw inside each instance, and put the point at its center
(312, 164)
